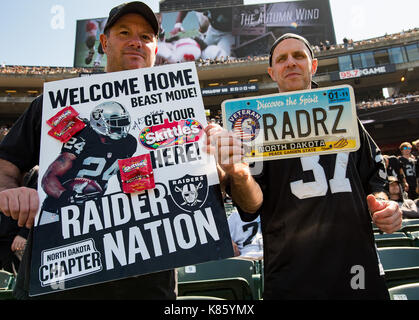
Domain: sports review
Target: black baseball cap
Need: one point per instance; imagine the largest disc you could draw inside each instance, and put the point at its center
(133, 7)
(290, 36)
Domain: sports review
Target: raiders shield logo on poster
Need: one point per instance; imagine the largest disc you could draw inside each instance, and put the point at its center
(189, 192)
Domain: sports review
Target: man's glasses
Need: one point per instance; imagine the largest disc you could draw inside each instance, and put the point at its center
(406, 148)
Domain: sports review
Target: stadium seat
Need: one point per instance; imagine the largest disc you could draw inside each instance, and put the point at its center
(414, 235)
(226, 289)
(397, 239)
(233, 278)
(401, 265)
(409, 225)
(405, 292)
(7, 280)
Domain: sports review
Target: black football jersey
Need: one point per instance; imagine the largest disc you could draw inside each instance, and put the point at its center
(409, 168)
(96, 160)
(316, 225)
(393, 168)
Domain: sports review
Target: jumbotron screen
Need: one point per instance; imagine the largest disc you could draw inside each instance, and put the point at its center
(221, 32)
(173, 5)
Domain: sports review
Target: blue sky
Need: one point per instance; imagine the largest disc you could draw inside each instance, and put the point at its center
(31, 34)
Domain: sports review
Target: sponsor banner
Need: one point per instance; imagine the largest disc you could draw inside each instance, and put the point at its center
(218, 32)
(365, 72)
(216, 91)
(143, 129)
(287, 125)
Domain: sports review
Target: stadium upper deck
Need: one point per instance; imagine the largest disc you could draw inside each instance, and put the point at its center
(391, 61)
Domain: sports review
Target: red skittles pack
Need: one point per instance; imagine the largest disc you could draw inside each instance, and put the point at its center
(64, 115)
(136, 173)
(65, 124)
(65, 130)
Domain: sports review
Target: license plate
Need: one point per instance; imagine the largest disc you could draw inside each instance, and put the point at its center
(289, 125)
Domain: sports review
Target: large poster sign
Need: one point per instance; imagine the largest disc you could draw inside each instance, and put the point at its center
(221, 32)
(125, 188)
(288, 125)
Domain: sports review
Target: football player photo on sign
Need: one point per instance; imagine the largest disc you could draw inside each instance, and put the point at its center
(88, 160)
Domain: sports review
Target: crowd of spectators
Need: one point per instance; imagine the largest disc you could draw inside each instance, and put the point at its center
(42, 70)
(393, 100)
(349, 44)
(402, 172)
(223, 60)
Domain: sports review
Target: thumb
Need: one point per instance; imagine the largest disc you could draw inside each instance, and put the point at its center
(374, 205)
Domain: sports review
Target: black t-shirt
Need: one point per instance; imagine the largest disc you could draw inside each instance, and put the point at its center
(21, 146)
(316, 225)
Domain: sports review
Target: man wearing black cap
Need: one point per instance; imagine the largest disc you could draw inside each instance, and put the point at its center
(130, 42)
(315, 213)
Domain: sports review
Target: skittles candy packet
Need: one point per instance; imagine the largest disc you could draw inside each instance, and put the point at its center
(65, 124)
(63, 116)
(136, 173)
(65, 130)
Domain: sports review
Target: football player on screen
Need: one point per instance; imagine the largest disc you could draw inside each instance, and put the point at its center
(88, 160)
(93, 29)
